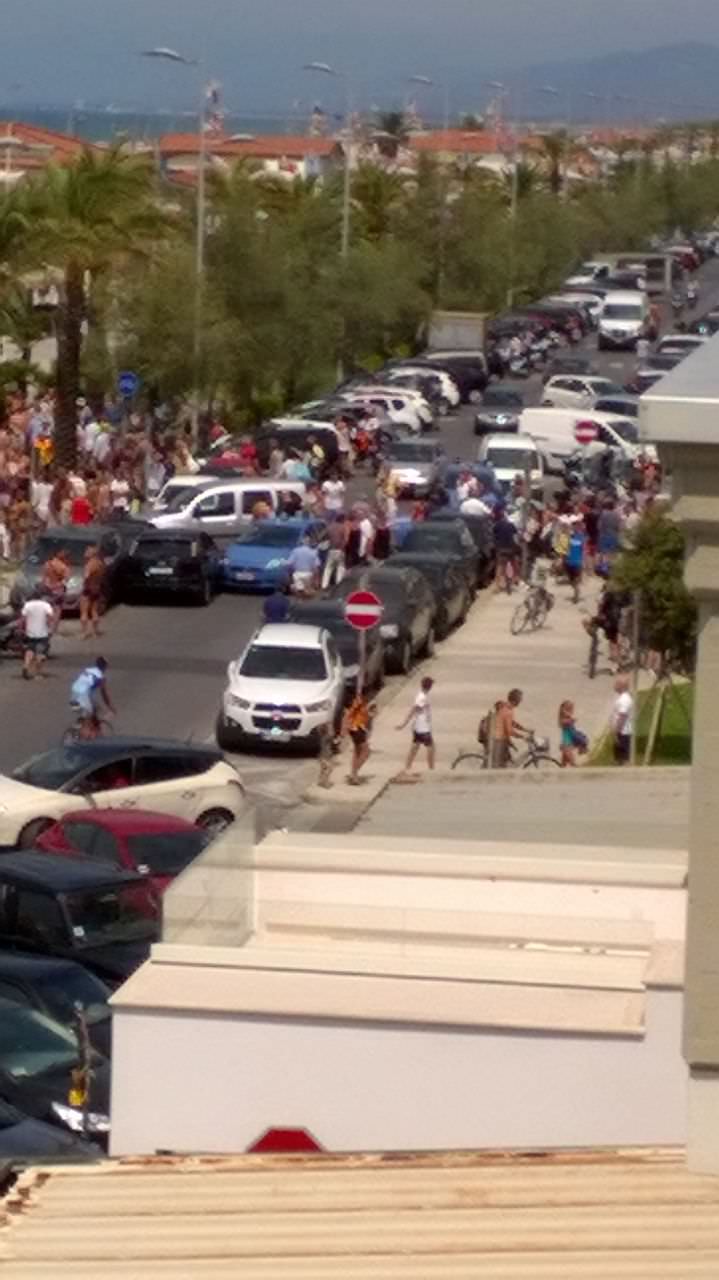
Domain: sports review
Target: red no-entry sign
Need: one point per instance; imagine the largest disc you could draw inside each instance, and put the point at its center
(363, 610)
(585, 432)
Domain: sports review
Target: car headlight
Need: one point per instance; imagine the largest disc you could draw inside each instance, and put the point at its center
(236, 701)
(389, 631)
(324, 705)
(93, 1122)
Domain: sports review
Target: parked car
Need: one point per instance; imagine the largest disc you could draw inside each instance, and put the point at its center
(113, 541)
(175, 487)
(189, 780)
(437, 386)
(155, 845)
(223, 507)
(643, 379)
(37, 1059)
(467, 368)
(176, 562)
(512, 456)
(567, 365)
(499, 410)
(407, 626)
(681, 343)
(448, 583)
(25, 1140)
(286, 685)
(450, 539)
(625, 406)
(293, 435)
(259, 560)
(330, 615)
(577, 392)
(708, 324)
(102, 918)
(482, 530)
(415, 465)
(57, 988)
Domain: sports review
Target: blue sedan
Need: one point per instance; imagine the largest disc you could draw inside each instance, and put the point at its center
(259, 560)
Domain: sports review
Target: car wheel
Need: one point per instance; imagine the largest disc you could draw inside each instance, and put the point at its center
(428, 646)
(215, 821)
(228, 737)
(31, 831)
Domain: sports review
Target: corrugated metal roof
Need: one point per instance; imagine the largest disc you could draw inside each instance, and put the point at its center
(619, 1215)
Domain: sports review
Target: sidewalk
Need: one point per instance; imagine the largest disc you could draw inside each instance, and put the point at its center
(478, 664)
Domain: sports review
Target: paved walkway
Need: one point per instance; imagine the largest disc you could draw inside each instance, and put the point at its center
(479, 663)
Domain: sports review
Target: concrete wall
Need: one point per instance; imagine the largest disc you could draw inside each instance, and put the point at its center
(381, 1087)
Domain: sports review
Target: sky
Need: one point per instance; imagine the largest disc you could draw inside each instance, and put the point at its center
(64, 51)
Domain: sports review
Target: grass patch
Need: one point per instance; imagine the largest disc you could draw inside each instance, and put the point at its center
(674, 738)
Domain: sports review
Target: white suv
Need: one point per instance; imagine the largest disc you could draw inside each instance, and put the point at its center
(572, 391)
(287, 684)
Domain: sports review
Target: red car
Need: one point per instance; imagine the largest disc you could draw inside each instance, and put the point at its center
(155, 844)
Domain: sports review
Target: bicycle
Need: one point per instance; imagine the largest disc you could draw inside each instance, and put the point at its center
(536, 755)
(86, 728)
(532, 611)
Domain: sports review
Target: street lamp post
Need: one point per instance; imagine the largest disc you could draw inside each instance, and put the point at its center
(442, 238)
(502, 89)
(163, 53)
(324, 68)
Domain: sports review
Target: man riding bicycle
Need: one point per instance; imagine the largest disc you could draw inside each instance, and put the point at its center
(86, 692)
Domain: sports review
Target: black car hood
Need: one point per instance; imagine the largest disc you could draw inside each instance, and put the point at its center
(115, 962)
(32, 1139)
(35, 1095)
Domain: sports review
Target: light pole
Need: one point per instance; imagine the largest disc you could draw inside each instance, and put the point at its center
(443, 192)
(163, 53)
(502, 89)
(324, 68)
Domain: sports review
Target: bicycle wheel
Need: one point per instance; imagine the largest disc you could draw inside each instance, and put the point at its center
(541, 760)
(521, 617)
(539, 615)
(478, 759)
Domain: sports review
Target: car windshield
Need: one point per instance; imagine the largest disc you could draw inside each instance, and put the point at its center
(180, 500)
(52, 769)
(498, 397)
(123, 913)
(32, 1044)
(601, 387)
(622, 311)
(271, 535)
(45, 548)
(513, 459)
(277, 662)
(163, 548)
(166, 853)
(627, 430)
(411, 451)
(173, 491)
(71, 987)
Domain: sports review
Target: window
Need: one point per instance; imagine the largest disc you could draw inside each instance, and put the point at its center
(109, 777)
(252, 496)
(166, 853)
(80, 835)
(159, 768)
(39, 918)
(105, 847)
(275, 662)
(216, 504)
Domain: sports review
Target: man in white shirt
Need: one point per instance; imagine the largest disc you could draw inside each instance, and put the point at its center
(473, 506)
(622, 720)
(420, 714)
(37, 619)
(333, 493)
(40, 491)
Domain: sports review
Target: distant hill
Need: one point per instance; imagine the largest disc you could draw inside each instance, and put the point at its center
(674, 82)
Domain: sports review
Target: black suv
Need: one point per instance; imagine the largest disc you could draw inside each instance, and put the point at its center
(172, 561)
(55, 987)
(407, 625)
(450, 538)
(54, 906)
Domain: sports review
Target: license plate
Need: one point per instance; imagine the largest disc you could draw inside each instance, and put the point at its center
(160, 571)
(275, 735)
(242, 575)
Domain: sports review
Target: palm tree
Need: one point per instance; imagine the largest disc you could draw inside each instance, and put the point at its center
(20, 320)
(84, 218)
(554, 150)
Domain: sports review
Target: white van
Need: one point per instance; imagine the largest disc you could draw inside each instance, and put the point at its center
(222, 507)
(173, 487)
(553, 431)
(510, 456)
(624, 319)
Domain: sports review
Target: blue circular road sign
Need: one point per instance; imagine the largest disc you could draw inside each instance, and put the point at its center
(128, 383)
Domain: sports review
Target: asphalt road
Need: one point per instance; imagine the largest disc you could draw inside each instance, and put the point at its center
(168, 662)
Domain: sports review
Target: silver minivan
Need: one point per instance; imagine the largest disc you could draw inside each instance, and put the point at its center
(221, 507)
